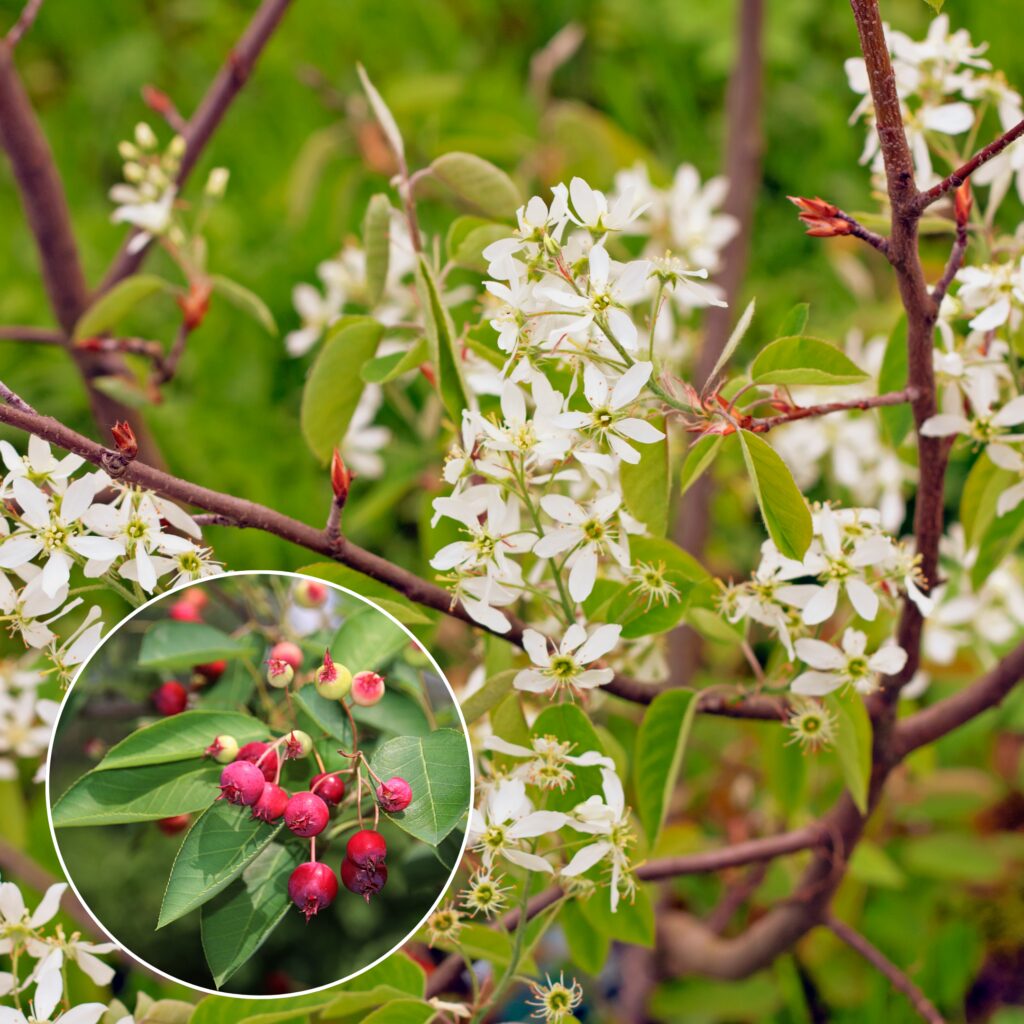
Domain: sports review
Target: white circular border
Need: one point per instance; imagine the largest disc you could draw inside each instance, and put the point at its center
(210, 579)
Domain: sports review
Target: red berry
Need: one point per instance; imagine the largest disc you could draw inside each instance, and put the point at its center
(312, 886)
(364, 881)
(175, 824)
(328, 787)
(367, 688)
(170, 698)
(242, 783)
(271, 804)
(366, 848)
(212, 670)
(252, 752)
(310, 594)
(394, 795)
(287, 651)
(306, 814)
(185, 611)
(195, 596)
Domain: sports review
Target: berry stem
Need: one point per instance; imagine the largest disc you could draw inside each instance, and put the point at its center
(359, 794)
(352, 725)
(312, 849)
(320, 762)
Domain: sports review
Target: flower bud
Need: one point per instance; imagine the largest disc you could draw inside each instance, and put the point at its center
(341, 478)
(124, 438)
(962, 203)
(195, 304)
(145, 137)
(822, 218)
(217, 182)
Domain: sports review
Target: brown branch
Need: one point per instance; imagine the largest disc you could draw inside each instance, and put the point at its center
(33, 335)
(736, 896)
(953, 264)
(964, 171)
(208, 115)
(897, 978)
(25, 21)
(763, 425)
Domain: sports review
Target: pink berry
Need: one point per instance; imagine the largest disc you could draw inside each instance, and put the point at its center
(287, 651)
(252, 752)
(367, 688)
(312, 886)
(175, 824)
(366, 848)
(195, 596)
(170, 698)
(394, 795)
(310, 593)
(211, 671)
(306, 814)
(242, 783)
(364, 881)
(328, 787)
(271, 804)
(185, 611)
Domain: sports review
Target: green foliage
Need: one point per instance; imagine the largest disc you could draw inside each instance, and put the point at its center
(176, 645)
(113, 306)
(804, 361)
(646, 485)
(478, 184)
(853, 745)
(376, 243)
(444, 354)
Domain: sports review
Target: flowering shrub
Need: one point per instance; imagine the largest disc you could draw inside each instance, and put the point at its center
(579, 352)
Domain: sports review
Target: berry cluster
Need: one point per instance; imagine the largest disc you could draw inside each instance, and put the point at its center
(252, 778)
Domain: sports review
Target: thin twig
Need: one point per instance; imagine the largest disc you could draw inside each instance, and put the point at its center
(33, 335)
(767, 423)
(25, 21)
(858, 230)
(898, 979)
(953, 264)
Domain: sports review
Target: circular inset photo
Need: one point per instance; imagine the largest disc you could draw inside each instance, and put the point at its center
(260, 784)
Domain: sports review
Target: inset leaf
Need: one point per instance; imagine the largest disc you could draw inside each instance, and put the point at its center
(468, 237)
(377, 246)
(444, 351)
(783, 508)
(853, 745)
(801, 360)
(169, 644)
(114, 305)
(438, 771)
(478, 183)
(327, 715)
(219, 846)
(367, 640)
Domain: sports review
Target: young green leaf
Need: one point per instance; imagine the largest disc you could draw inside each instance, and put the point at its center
(569, 723)
(794, 322)
(367, 641)
(801, 360)
(698, 460)
(734, 340)
(783, 508)
(853, 745)
(478, 183)
(645, 485)
(468, 237)
(245, 300)
(664, 733)
(437, 768)
(383, 115)
(327, 715)
(219, 846)
(180, 737)
(113, 306)
(173, 645)
(382, 369)
(334, 387)
(444, 350)
(377, 246)
(477, 704)
(897, 420)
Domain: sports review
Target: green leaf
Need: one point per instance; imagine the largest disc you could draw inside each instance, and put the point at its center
(444, 352)
(936, 5)
(954, 856)
(437, 768)
(395, 714)
(794, 322)
(632, 923)
(327, 715)
(359, 583)
(383, 114)
(984, 484)
(218, 847)
(402, 1011)
(897, 420)
(348, 1004)
(494, 690)
(367, 641)
(245, 300)
(377, 246)
(569, 723)
(219, 1010)
(713, 625)
(467, 241)
(645, 484)
(232, 691)
(399, 971)
(698, 460)
(871, 865)
(478, 183)
(802, 360)
(483, 943)
(113, 306)
(382, 369)
(180, 737)
(168, 644)
(240, 920)
(1003, 536)
(136, 794)
(734, 340)
(588, 948)
(853, 745)
(334, 387)
(664, 733)
(783, 508)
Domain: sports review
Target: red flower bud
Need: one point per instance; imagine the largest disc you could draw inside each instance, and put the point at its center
(156, 100)
(962, 203)
(822, 218)
(124, 438)
(195, 304)
(341, 477)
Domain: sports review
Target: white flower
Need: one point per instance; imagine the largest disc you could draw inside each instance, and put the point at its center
(994, 293)
(586, 534)
(152, 215)
(591, 209)
(49, 991)
(1009, 459)
(363, 441)
(547, 759)
(567, 666)
(38, 465)
(985, 426)
(609, 421)
(503, 823)
(832, 668)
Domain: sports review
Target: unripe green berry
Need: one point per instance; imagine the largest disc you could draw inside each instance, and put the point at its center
(298, 744)
(223, 749)
(333, 682)
(279, 673)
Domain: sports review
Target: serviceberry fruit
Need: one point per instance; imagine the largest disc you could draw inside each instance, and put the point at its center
(170, 698)
(312, 886)
(367, 688)
(175, 824)
(306, 814)
(310, 594)
(332, 681)
(242, 783)
(271, 804)
(279, 672)
(224, 749)
(297, 744)
(328, 787)
(211, 671)
(195, 596)
(366, 848)
(252, 752)
(287, 651)
(185, 611)
(394, 795)
(364, 881)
